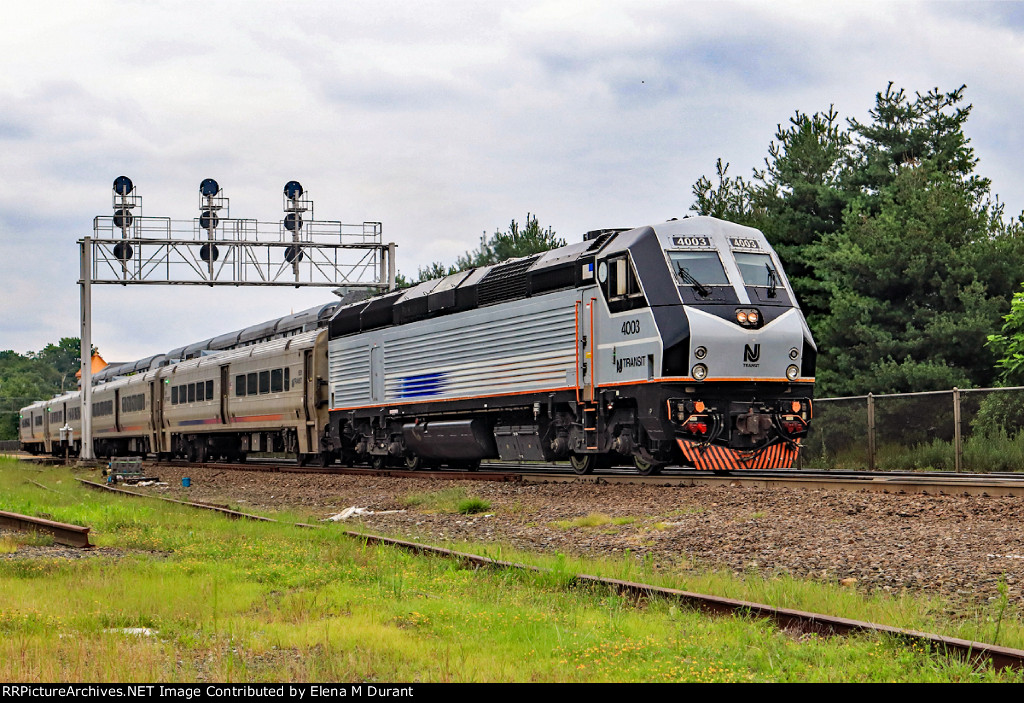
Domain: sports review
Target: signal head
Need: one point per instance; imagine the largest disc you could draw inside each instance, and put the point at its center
(293, 190)
(209, 187)
(123, 185)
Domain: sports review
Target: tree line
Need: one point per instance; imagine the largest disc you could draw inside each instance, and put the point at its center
(901, 257)
(26, 378)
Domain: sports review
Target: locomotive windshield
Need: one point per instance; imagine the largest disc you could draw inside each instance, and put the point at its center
(756, 269)
(704, 266)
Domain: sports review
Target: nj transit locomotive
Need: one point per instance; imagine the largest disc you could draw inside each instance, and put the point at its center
(675, 343)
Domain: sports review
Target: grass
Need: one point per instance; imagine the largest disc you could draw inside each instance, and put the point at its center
(243, 601)
(996, 452)
(449, 500)
(592, 520)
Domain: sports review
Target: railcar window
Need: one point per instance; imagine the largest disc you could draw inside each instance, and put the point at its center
(200, 391)
(754, 268)
(250, 384)
(75, 413)
(133, 403)
(276, 381)
(209, 390)
(39, 419)
(287, 380)
(240, 385)
(705, 266)
(264, 382)
(191, 392)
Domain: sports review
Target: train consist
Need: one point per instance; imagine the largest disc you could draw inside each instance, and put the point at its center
(675, 343)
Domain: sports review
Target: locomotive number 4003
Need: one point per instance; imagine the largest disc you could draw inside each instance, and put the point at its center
(631, 327)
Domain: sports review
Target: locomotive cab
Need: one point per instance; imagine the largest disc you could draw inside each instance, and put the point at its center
(733, 370)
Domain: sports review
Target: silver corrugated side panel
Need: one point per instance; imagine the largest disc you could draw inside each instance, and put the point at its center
(521, 346)
(350, 372)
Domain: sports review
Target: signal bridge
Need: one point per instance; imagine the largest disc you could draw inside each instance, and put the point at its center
(214, 249)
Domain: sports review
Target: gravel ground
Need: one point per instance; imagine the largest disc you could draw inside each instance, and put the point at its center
(954, 546)
(49, 551)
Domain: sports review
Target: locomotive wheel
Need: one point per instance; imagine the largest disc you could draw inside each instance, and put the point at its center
(414, 462)
(192, 453)
(378, 461)
(324, 459)
(583, 463)
(647, 468)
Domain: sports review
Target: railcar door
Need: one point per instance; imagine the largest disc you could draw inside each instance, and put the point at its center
(225, 385)
(585, 346)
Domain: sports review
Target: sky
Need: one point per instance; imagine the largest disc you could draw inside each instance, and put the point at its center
(441, 120)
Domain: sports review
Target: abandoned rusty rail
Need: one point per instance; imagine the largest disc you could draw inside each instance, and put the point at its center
(787, 618)
(71, 535)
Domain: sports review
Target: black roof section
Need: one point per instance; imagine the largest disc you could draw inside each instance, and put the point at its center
(557, 269)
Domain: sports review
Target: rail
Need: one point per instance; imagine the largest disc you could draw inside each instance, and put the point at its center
(71, 535)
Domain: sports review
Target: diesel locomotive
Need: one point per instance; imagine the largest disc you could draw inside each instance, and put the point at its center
(680, 342)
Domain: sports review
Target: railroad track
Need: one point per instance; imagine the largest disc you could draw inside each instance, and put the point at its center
(933, 483)
(787, 618)
(928, 483)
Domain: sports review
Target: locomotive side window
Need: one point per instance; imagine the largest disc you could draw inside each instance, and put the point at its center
(757, 269)
(240, 385)
(622, 281)
(704, 266)
(619, 283)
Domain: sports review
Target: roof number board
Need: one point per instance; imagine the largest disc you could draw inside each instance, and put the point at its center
(691, 241)
(740, 243)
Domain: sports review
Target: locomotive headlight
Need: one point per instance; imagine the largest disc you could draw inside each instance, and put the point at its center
(699, 372)
(752, 317)
(741, 317)
(794, 353)
(792, 372)
(700, 352)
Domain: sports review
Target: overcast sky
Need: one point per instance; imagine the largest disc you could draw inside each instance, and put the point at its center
(441, 120)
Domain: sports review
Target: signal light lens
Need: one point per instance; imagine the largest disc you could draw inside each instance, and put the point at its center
(792, 372)
(700, 352)
(699, 372)
(696, 427)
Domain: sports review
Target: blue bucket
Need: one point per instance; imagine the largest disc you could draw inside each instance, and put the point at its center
(186, 482)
